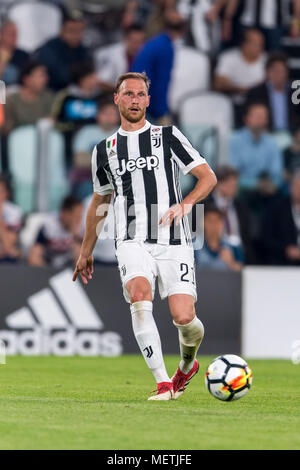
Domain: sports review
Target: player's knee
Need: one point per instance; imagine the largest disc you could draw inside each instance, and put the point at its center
(185, 317)
(138, 296)
(182, 308)
(139, 290)
(182, 315)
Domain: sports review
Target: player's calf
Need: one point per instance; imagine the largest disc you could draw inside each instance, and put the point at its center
(147, 337)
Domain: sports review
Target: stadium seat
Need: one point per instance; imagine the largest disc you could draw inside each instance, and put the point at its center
(4, 7)
(30, 230)
(205, 140)
(24, 166)
(59, 186)
(11, 89)
(22, 163)
(36, 21)
(87, 137)
(212, 110)
(190, 74)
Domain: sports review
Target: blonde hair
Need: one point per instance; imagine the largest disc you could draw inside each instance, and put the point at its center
(134, 75)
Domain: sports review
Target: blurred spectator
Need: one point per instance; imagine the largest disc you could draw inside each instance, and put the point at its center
(61, 53)
(32, 101)
(76, 105)
(59, 239)
(270, 17)
(156, 58)
(202, 16)
(275, 93)
(107, 121)
(149, 13)
(281, 229)
(239, 69)
(12, 59)
(84, 142)
(255, 154)
(237, 225)
(116, 59)
(292, 156)
(155, 22)
(217, 253)
(10, 224)
(136, 11)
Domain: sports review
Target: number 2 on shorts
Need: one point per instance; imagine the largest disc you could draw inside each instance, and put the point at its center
(186, 273)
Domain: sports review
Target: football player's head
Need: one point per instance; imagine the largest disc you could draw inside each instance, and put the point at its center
(132, 96)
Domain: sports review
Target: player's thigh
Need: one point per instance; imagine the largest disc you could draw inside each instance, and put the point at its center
(134, 263)
(182, 308)
(176, 271)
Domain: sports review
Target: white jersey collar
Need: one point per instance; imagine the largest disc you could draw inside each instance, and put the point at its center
(142, 129)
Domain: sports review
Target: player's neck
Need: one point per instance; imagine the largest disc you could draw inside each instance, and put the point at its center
(132, 126)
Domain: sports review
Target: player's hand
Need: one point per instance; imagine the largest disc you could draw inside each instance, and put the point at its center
(175, 212)
(84, 267)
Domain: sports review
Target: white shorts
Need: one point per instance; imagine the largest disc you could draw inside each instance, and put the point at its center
(172, 265)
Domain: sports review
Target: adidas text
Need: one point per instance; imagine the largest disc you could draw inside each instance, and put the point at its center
(62, 343)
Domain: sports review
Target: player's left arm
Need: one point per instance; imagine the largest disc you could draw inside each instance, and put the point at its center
(189, 161)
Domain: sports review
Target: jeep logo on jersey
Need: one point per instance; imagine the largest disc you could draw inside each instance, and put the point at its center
(140, 163)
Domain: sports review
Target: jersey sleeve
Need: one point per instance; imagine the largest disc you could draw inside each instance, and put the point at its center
(185, 155)
(101, 184)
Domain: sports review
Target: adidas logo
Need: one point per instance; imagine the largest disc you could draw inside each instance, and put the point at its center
(60, 320)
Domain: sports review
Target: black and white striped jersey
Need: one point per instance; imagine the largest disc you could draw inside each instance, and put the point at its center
(265, 13)
(142, 169)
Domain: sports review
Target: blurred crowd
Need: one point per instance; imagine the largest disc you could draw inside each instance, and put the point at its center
(245, 50)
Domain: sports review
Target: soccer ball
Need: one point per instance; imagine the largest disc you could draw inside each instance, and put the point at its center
(228, 377)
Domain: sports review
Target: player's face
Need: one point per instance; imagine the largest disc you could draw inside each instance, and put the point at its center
(132, 99)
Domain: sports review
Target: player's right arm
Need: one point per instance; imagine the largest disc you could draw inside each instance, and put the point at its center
(95, 218)
(96, 215)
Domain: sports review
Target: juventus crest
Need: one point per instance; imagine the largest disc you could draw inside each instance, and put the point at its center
(156, 139)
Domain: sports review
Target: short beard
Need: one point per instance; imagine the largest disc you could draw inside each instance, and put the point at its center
(133, 119)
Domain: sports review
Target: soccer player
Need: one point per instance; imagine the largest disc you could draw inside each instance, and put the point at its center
(140, 164)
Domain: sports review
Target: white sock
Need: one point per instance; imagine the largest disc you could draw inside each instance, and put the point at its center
(190, 338)
(147, 336)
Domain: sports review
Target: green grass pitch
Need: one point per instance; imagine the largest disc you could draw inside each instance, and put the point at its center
(101, 403)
